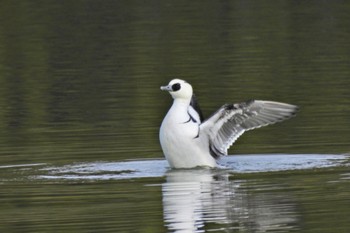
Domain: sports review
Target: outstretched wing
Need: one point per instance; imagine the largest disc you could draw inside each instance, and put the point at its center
(232, 120)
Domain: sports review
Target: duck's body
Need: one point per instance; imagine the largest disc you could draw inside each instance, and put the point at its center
(188, 141)
(183, 144)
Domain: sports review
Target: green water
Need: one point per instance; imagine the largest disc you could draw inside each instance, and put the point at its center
(79, 84)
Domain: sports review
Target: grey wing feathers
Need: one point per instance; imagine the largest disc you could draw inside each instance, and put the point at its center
(232, 120)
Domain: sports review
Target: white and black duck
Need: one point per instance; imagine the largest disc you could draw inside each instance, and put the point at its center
(189, 141)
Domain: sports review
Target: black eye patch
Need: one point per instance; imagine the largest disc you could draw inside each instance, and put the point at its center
(176, 87)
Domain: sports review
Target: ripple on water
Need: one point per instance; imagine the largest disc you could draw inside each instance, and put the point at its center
(157, 168)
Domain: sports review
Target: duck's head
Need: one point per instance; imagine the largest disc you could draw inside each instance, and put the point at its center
(179, 89)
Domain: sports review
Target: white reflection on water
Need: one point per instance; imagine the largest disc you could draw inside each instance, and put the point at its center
(195, 198)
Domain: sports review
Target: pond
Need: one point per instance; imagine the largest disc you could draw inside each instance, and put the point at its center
(80, 110)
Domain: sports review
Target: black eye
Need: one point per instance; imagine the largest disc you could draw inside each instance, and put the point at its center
(176, 86)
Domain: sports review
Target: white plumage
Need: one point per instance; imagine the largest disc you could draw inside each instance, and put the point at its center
(188, 141)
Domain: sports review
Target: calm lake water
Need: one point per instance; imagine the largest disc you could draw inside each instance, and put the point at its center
(80, 110)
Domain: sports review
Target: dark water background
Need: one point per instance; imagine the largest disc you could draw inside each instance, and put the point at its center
(79, 84)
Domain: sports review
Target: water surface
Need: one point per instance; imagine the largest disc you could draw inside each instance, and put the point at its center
(254, 193)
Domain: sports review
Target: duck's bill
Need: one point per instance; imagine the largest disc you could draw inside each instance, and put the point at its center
(166, 88)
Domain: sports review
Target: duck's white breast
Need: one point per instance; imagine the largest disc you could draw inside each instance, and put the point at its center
(181, 144)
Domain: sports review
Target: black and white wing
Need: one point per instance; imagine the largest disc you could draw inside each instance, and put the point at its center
(232, 120)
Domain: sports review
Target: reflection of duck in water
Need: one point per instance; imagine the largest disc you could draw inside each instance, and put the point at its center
(190, 196)
(200, 199)
(188, 141)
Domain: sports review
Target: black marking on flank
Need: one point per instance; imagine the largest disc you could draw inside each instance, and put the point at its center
(190, 119)
(199, 129)
(187, 121)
